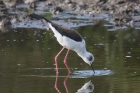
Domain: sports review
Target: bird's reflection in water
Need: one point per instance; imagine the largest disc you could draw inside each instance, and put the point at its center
(86, 88)
(55, 85)
(64, 82)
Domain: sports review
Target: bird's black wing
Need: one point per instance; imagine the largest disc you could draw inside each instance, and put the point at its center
(67, 32)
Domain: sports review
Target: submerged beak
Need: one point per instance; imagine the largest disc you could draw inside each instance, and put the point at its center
(92, 68)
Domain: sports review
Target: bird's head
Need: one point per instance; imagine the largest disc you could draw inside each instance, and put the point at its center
(86, 88)
(88, 58)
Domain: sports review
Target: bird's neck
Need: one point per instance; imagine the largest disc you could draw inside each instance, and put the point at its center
(82, 53)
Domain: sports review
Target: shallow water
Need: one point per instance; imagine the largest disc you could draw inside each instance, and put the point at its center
(27, 62)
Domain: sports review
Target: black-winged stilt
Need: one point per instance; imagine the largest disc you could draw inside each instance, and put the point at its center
(69, 39)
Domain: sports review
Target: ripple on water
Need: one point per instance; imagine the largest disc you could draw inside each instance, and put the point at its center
(89, 73)
(41, 72)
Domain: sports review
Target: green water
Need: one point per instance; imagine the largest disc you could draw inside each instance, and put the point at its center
(27, 61)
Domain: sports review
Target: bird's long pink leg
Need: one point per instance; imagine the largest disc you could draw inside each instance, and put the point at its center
(65, 61)
(57, 57)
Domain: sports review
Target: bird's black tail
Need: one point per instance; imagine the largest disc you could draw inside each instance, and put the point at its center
(37, 17)
(46, 19)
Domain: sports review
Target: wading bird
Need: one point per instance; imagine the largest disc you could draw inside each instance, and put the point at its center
(69, 39)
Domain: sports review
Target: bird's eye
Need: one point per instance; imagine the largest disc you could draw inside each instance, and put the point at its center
(90, 58)
(90, 87)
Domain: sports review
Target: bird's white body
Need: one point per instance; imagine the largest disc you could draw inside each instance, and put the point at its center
(78, 47)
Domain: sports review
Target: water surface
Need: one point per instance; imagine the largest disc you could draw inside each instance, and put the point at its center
(27, 62)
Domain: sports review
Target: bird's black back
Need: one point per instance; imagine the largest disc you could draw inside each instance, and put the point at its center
(67, 32)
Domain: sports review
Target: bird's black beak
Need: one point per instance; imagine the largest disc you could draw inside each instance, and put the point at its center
(92, 68)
